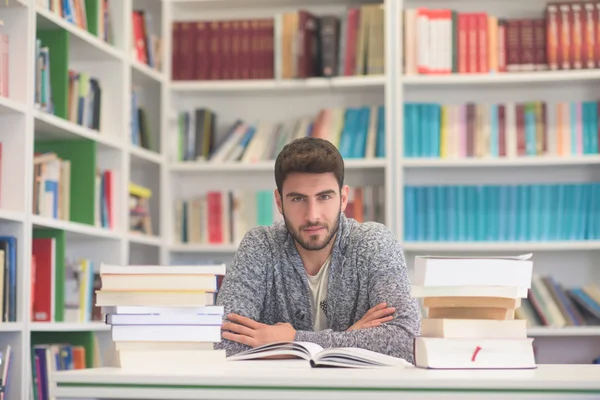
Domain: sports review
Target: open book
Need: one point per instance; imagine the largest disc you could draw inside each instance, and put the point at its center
(350, 357)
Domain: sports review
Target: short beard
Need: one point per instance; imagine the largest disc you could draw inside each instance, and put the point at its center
(308, 245)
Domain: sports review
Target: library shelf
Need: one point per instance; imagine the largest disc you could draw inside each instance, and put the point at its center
(144, 239)
(564, 332)
(503, 78)
(11, 326)
(264, 166)
(49, 127)
(278, 84)
(141, 156)
(142, 73)
(488, 247)
(545, 161)
(11, 215)
(14, 3)
(87, 46)
(68, 326)
(224, 4)
(204, 248)
(9, 106)
(74, 229)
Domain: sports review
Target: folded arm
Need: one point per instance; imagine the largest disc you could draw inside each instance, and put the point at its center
(243, 288)
(388, 283)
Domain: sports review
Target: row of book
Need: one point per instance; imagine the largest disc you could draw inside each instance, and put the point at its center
(84, 100)
(142, 132)
(43, 88)
(224, 217)
(4, 64)
(91, 15)
(51, 357)
(497, 213)
(528, 128)
(358, 132)
(52, 190)
(51, 186)
(549, 303)
(295, 44)
(163, 312)
(445, 41)
(146, 45)
(62, 288)
(470, 304)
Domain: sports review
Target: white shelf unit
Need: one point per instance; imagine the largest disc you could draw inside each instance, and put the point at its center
(571, 262)
(23, 123)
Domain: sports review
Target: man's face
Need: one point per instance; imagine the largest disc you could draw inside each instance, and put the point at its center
(311, 205)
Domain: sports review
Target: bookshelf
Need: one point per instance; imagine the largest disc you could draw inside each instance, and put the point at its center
(66, 116)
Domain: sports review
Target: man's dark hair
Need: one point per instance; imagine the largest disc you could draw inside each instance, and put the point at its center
(308, 155)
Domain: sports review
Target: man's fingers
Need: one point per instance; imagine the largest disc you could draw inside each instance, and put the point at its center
(239, 338)
(378, 307)
(241, 329)
(382, 313)
(250, 323)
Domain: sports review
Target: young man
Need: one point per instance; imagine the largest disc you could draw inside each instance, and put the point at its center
(318, 276)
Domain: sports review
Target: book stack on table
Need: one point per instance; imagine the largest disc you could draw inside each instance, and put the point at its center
(471, 306)
(163, 314)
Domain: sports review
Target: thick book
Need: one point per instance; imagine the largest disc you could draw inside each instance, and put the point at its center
(349, 357)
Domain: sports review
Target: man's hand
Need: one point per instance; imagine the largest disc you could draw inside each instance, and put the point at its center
(374, 317)
(249, 332)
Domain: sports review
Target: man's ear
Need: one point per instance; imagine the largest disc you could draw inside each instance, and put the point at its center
(344, 195)
(278, 201)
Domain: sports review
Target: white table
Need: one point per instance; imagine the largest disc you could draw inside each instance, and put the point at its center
(295, 380)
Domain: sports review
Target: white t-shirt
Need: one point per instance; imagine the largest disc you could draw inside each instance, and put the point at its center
(318, 290)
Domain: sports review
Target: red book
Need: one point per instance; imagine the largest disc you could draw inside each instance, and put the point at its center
(552, 36)
(589, 36)
(472, 41)
(351, 42)
(513, 45)
(215, 216)
(577, 21)
(564, 37)
(482, 43)
(44, 252)
(176, 51)
(201, 59)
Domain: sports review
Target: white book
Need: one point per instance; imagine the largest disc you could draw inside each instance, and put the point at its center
(218, 269)
(317, 356)
(511, 292)
(158, 310)
(164, 319)
(166, 333)
(445, 353)
(473, 271)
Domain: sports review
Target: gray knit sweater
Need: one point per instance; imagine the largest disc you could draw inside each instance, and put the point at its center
(267, 282)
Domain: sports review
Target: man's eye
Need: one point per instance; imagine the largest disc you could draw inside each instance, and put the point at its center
(297, 199)
(325, 197)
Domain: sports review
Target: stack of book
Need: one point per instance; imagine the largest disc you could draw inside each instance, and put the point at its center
(163, 314)
(470, 306)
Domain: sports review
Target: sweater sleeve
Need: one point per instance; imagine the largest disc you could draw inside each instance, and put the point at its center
(388, 282)
(243, 288)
